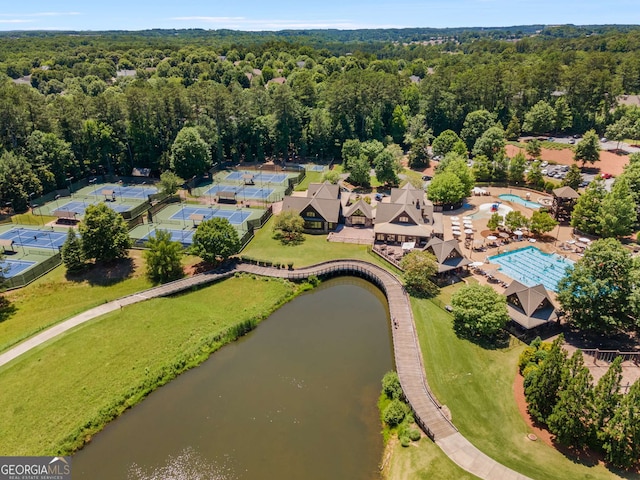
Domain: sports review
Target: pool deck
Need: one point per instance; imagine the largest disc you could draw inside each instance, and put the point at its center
(551, 244)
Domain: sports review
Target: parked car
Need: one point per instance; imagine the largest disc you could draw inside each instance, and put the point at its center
(572, 141)
(379, 196)
(426, 178)
(603, 139)
(544, 171)
(544, 164)
(606, 175)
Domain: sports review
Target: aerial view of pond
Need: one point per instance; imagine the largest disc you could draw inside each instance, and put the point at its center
(295, 398)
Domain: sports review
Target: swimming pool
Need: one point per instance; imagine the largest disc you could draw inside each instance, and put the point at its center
(509, 197)
(486, 210)
(531, 267)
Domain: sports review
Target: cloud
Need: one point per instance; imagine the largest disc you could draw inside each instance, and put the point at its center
(15, 20)
(243, 23)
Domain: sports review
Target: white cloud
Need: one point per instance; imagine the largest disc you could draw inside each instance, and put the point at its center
(14, 20)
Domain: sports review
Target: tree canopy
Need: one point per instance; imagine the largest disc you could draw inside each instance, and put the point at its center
(215, 240)
(105, 235)
(479, 311)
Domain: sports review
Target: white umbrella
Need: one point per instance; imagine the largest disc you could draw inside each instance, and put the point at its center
(456, 232)
(455, 218)
(584, 240)
(468, 231)
(492, 237)
(455, 223)
(476, 264)
(518, 233)
(571, 242)
(455, 227)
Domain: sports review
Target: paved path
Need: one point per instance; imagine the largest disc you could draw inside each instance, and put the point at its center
(408, 356)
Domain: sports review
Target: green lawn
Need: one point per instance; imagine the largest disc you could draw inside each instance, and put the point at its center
(476, 384)
(422, 461)
(54, 297)
(314, 249)
(311, 177)
(59, 394)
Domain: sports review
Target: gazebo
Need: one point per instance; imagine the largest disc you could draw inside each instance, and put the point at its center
(564, 199)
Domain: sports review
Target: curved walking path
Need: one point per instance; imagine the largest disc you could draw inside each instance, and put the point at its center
(408, 357)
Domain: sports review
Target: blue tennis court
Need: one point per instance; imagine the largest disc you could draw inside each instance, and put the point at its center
(11, 268)
(315, 168)
(78, 207)
(185, 237)
(31, 237)
(242, 191)
(260, 177)
(235, 217)
(126, 192)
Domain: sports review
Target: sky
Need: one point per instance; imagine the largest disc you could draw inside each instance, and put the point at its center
(305, 14)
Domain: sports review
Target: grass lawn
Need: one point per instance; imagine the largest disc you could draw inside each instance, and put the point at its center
(56, 297)
(476, 384)
(61, 393)
(314, 249)
(311, 177)
(30, 219)
(422, 461)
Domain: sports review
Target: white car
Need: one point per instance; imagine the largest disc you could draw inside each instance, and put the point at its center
(544, 164)
(544, 171)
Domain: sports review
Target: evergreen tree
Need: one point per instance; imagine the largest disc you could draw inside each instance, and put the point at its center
(573, 178)
(533, 148)
(607, 396)
(517, 166)
(534, 176)
(72, 254)
(571, 417)
(513, 129)
(622, 432)
(541, 388)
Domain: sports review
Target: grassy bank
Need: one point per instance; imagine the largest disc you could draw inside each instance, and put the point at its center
(314, 249)
(477, 386)
(55, 397)
(56, 297)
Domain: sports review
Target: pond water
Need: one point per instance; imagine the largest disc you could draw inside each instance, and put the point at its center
(296, 398)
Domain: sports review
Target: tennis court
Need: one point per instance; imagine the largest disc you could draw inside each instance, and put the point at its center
(11, 268)
(31, 237)
(242, 191)
(185, 237)
(78, 207)
(261, 177)
(139, 192)
(235, 217)
(315, 168)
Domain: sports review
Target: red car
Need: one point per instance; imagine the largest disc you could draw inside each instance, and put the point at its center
(606, 175)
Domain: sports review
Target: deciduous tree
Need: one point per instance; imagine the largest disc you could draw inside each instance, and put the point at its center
(478, 311)
(419, 269)
(573, 178)
(288, 227)
(541, 223)
(164, 258)
(540, 118)
(215, 240)
(170, 182)
(587, 150)
(190, 154)
(104, 232)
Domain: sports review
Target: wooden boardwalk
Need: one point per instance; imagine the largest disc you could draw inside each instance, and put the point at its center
(408, 357)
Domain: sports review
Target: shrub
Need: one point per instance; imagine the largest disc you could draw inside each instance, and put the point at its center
(414, 434)
(405, 441)
(391, 385)
(394, 413)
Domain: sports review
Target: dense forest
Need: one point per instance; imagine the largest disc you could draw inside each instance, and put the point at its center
(74, 104)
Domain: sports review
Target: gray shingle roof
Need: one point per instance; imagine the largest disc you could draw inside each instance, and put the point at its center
(532, 311)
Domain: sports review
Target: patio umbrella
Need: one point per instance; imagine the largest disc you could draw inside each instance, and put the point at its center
(476, 264)
(468, 231)
(456, 232)
(455, 223)
(455, 218)
(492, 238)
(503, 235)
(518, 233)
(584, 240)
(455, 227)
(571, 242)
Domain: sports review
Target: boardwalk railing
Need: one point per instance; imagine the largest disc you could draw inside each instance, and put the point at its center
(428, 412)
(610, 355)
